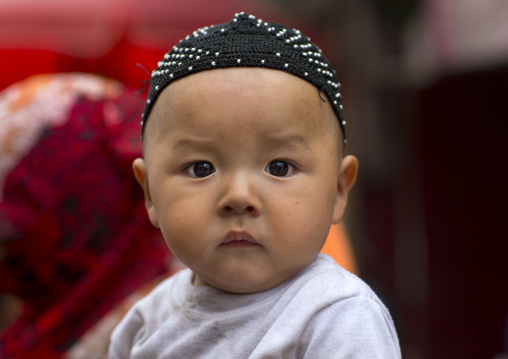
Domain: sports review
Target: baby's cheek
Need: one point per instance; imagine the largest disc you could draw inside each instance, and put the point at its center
(183, 224)
(311, 219)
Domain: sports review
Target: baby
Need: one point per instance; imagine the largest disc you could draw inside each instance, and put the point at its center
(243, 172)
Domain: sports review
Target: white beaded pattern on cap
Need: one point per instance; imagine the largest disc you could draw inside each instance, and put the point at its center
(211, 47)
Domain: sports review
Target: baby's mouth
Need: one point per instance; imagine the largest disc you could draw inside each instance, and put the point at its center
(239, 240)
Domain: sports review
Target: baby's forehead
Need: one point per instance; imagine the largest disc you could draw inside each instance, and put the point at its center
(246, 79)
(225, 86)
(239, 93)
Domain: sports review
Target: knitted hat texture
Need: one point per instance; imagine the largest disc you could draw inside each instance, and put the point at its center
(247, 42)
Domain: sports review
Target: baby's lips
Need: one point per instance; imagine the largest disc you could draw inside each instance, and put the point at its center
(239, 236)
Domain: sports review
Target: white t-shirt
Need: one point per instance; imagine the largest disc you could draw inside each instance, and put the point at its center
(323, 312)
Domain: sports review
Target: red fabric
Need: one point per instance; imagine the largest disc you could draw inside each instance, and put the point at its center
(82, 239)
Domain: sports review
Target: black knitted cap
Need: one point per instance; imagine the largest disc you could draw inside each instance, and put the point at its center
(247, 42)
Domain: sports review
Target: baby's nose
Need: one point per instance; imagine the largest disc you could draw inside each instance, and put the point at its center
(239, 197)
(237, 210)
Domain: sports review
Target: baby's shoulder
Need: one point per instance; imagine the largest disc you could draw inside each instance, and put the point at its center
(346, 315)
(327, 279)
(159, 301)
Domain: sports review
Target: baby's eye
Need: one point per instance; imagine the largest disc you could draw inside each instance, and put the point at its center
(200, 169)
(279, 168)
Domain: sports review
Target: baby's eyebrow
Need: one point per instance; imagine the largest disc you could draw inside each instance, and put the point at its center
(188, 143)
(289, 141)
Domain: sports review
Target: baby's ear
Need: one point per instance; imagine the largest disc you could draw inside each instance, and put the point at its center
(347, 178)
(139, 169)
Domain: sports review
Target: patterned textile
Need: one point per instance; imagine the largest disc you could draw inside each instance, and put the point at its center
(73, 225)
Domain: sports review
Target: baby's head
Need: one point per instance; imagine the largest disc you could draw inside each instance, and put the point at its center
(243, 169)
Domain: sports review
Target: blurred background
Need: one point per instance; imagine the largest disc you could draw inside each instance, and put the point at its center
(425, 88)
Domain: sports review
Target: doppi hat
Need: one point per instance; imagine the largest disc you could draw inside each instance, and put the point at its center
(247, 42)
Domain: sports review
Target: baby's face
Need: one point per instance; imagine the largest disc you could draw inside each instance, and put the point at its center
(243, 175)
